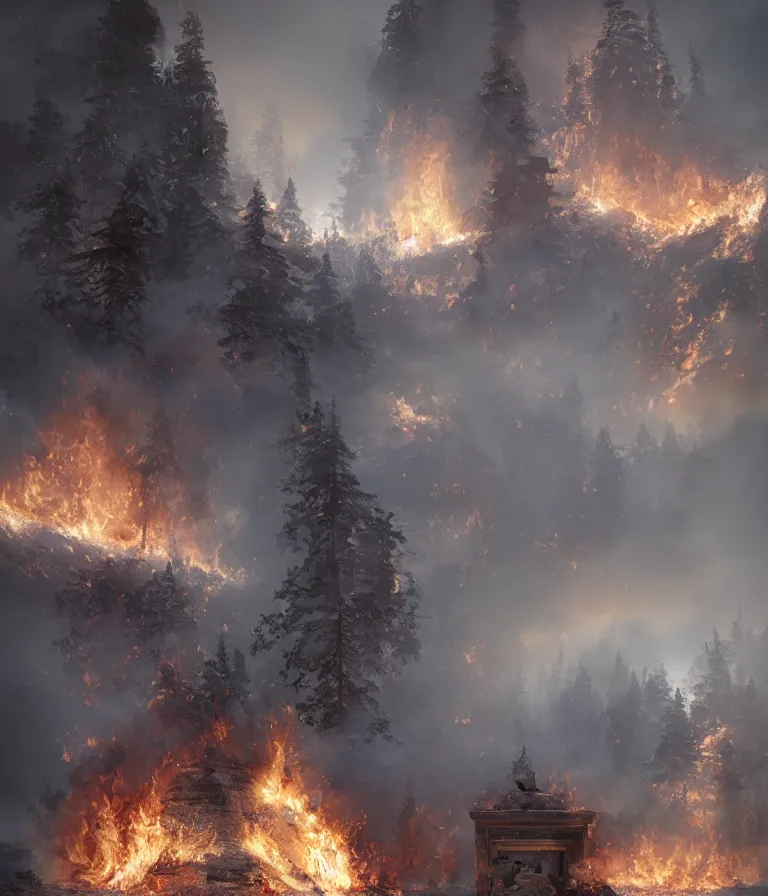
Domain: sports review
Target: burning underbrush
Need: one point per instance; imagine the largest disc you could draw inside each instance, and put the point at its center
(93, 483)
(212, 811)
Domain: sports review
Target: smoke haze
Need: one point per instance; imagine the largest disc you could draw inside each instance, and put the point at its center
(495, 612)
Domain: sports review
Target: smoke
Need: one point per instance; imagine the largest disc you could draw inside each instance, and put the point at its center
(491, 635)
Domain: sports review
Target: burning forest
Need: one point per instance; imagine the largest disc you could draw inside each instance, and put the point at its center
(413, 548)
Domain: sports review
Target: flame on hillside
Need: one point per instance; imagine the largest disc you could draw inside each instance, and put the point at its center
(667, 201)
(301, 848)
(83, 486)
(422, 193)
(114, 835)
(693, 856)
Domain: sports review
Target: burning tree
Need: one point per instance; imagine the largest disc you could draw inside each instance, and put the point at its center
(350, 614)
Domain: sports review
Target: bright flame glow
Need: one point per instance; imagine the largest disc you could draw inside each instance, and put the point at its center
(83, 487)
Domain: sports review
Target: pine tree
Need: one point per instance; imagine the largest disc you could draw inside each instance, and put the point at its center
(241, 681)
(160, 477)
(713, 698)
(256, 318)
(289, 219)
(349, 613)
(112, 275)
(396, 80)
(333, 321)
(522, 770)
(675, 756)
(622, 86)
(216, 687)
(52, 237)
(191, 228)
(575, 102)
(606, 486)
(618, 683)
(473, 305)
(47, 138)
(124, 99)
(161, 607)
(196, 152)
(505, 128)
(625, 727)
(697, 88)
(97, 648)
(268, 151)
(657, 695)
(508, 28)
(665, 80)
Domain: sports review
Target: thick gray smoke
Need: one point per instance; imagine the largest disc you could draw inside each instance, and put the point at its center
(486, 645)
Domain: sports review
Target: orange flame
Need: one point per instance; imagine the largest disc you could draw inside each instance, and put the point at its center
(667, 201)
(423, 193)
(84, 488)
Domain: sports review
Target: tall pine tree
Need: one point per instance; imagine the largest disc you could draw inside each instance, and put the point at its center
(349, 611)
(124, 101)
(52, 237)
(396, 78)
(197, 130)
(333, 321)
(112, 274)
(623, 81)
(290, 221)
(674, 758)
(256, 318)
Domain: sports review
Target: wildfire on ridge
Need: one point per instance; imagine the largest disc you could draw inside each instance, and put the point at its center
(666, 200)
(85, 487)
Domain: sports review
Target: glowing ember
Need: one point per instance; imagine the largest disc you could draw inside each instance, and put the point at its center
(408, 420)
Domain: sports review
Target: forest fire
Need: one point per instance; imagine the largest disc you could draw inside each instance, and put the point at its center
(667, 201)
(114, 835)
(85, 487)
(422, 193)
(688, 844)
